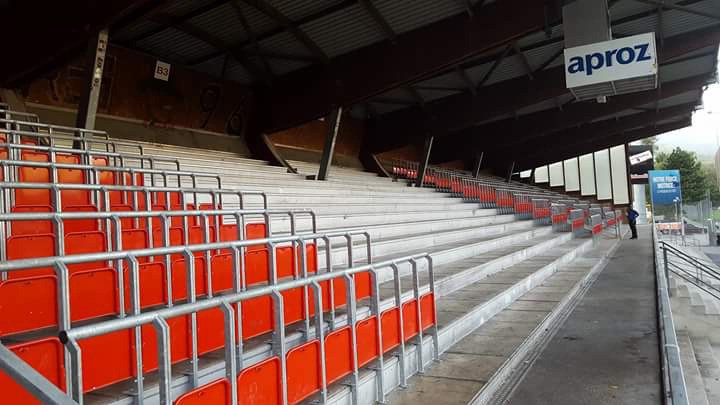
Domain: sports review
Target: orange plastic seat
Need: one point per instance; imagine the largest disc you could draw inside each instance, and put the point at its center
(214, 393)
(46, 357)
(303, 371)
(338, 354)
(261, 384)
(366, 336)
(390, 320)
(28, 304)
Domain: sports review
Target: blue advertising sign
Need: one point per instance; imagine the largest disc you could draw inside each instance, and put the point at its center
(665, 186)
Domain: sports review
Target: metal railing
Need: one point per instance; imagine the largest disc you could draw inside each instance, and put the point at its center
(88, 156)
(700, 273)
(86, 143)
(233, 348)
(675, 389)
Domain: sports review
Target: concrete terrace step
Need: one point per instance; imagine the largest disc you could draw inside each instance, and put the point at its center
(693, 378)
(258, 349)
(445, 247)
(460, 312)
(488, 346)
(709, 368)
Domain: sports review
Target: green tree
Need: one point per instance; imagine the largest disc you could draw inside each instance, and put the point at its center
(712, 183)
(651, 141)
(693, 180)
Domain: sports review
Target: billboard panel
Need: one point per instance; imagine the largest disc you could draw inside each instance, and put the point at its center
(665, 187)
(613, 60)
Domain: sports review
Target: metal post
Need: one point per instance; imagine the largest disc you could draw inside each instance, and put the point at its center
(427, 148)
(333, 127)
(87, 108)
(478, 165)
(510, 172)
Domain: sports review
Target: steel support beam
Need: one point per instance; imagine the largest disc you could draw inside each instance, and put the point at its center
(424, 160)
(610, 141)
(333, 127)
(478, 164)
(87, 109)
(602, 142)
(511, 168)
(542, 126)
(596, 130)
(345, 79)
(458, 112)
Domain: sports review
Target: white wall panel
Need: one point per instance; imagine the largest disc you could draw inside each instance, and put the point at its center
(602, 175)
(618, 167)
(556, 174)
(572, 175)
(541, 174)
(587, 175)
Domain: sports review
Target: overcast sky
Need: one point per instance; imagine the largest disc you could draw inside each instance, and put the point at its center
(705, 129)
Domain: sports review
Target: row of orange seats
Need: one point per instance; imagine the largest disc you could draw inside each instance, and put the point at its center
(262, 382)
(27, 296)
(257, 384)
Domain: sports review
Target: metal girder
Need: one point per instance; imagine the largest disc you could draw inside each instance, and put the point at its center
(175, 20)
(606, 142)
(215, 42)
(427, 149)
(87, 108)
(250, 34)
(670, 6)
(457, 112)
(379, 19)
(289, 26)
(596, 130)
(545, 124)
(60, 31)
(259, 37)
(333, 127)
(360, 74)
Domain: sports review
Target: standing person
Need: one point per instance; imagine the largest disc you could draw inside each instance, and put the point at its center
(632, 221)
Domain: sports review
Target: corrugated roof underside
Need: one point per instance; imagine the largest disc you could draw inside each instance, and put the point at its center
(407, 15)
(343, 31)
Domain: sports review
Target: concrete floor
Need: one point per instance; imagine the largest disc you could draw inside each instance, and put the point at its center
(607, 350)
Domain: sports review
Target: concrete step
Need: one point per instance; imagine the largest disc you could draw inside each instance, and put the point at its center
(693, 379)
(708, 366)
(460, 313)
(259, 349)
(474, 362)
(697, 304)
(446, 246)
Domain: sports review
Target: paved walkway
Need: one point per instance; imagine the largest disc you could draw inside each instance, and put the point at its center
(607, 350)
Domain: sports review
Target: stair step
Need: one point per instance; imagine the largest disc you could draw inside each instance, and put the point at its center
(469, 364)
(709, 368)
(693, 379)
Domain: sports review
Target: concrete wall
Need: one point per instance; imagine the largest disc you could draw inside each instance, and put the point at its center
(191, 108)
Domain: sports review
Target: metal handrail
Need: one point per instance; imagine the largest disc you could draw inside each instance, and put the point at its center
(53, 127)
(673, 376)
(83, 140)
(88, 154)
(699, 274)
(233, 351)
(95, 170)
(60, 265)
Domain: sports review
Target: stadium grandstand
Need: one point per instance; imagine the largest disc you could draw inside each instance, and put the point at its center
(337, 201)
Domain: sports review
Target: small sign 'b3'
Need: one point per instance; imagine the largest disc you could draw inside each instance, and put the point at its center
(162, 71)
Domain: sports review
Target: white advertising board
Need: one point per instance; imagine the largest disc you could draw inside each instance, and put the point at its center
(608, 61)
